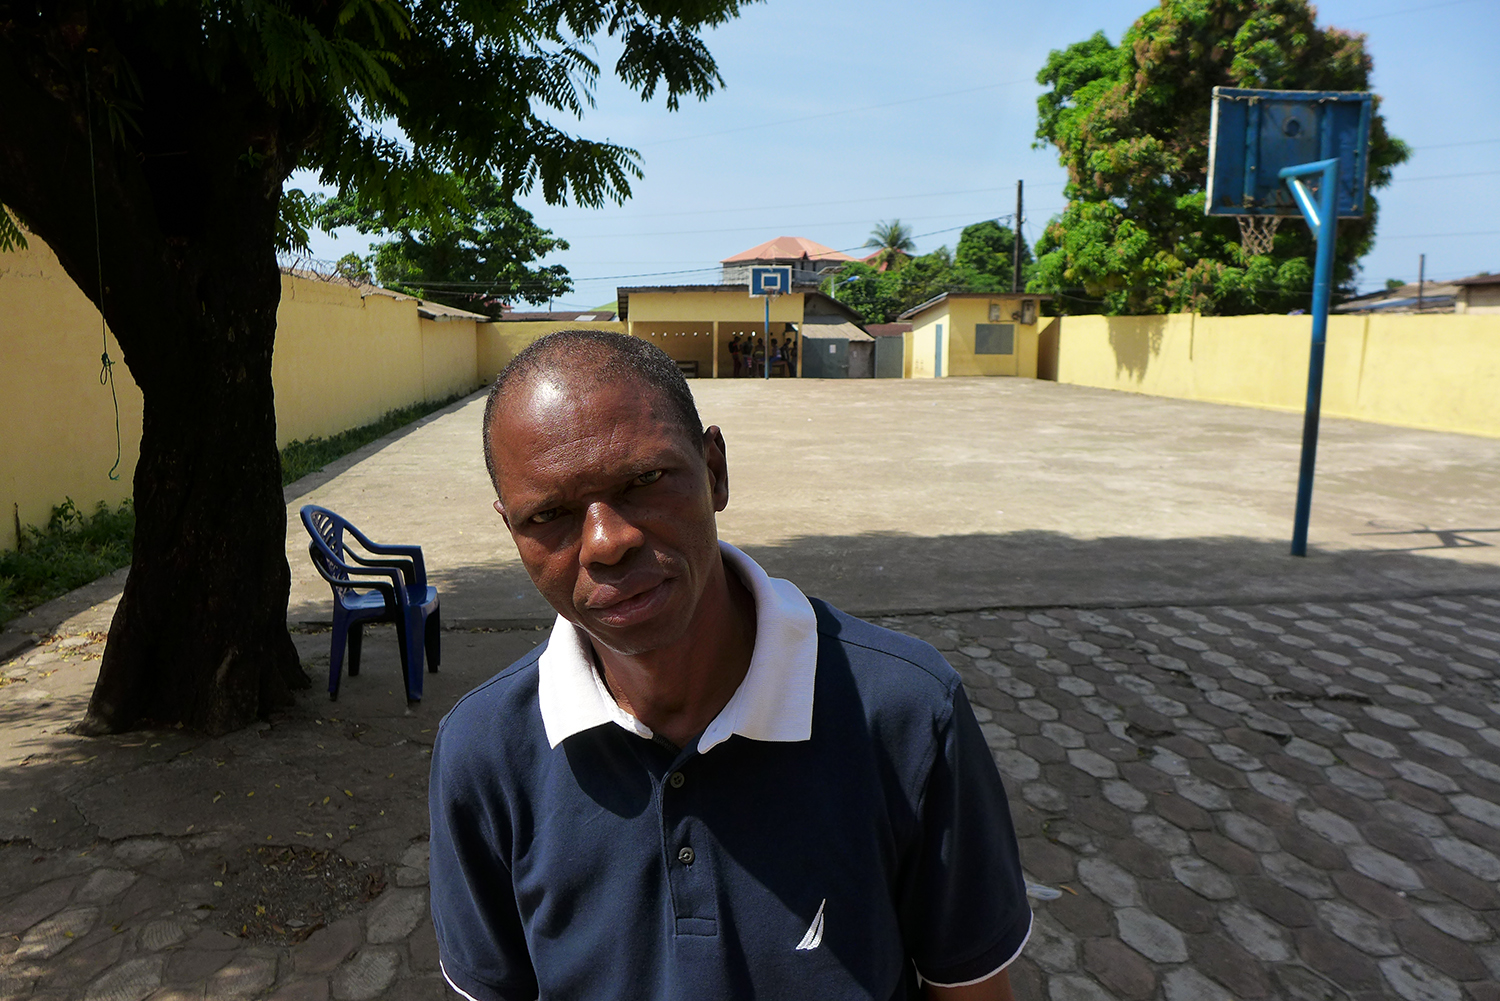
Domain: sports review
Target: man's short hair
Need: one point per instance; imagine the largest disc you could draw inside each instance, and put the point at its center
(603, 354)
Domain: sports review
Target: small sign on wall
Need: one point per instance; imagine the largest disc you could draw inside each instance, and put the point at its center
(833, 349)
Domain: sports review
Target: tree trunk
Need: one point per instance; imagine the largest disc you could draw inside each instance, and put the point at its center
(200, 633)
(185, 236)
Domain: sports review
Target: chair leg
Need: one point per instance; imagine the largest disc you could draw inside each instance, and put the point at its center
(403, 638)
(434, 641)
(356, 642)
(416, 637)
(336, 655)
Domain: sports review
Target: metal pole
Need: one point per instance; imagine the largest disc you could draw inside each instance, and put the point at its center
(1015, 278)
(1421, 278)
(767, 351)
(1323, 221)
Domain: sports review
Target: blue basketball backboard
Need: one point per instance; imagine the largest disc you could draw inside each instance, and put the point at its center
(770, 280)
(1256, 133)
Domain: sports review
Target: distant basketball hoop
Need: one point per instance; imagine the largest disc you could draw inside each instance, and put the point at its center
(1277, 153)
(769, 282)
(1254, 134)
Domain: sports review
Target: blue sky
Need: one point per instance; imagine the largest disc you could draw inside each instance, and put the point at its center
(841, 113)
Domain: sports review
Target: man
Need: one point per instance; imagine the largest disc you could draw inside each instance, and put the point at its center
(705, 785)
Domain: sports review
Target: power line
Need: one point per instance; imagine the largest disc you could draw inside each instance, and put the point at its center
(808, 205)
(836, 114)
(1439, 236)
(1409, 10)
(1444, 177)
(1472, 142)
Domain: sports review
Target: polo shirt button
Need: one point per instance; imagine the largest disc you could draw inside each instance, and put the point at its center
(685, 856)
(676, 779)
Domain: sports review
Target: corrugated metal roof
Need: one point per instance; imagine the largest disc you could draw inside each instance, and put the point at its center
(586, 315)
(789, 248)
(1437, 297)
(437, 311)
(843, 331)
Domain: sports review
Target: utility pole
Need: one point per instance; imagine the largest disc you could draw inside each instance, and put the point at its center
(1015, 280)
(1421, 278)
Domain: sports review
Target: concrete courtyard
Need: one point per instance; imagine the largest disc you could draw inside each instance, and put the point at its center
(921, 495)
(1234, 774)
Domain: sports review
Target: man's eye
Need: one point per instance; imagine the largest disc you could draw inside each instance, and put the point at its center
(646, 479)
(542, 517)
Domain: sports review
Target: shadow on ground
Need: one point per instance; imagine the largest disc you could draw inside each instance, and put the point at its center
(888, 573)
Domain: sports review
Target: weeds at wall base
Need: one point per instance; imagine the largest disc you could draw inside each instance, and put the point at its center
(73, 549)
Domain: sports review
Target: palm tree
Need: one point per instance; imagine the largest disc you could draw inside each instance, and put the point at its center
(894, 242)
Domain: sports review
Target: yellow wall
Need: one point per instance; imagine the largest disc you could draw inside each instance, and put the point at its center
(958, 317)
(341, 360)
(1437, 371)
(498, 343)
(450, 357)
(731, 304)
(59, 422)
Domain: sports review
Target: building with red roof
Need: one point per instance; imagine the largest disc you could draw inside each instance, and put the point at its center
(807, 259)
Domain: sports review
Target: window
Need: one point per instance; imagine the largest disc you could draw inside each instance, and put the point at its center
(994, 338)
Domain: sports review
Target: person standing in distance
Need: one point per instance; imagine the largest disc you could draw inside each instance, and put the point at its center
(705, 785)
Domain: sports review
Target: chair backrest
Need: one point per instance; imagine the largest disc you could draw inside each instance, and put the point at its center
(327, 531)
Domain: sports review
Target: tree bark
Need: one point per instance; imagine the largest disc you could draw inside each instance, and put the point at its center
(200, 633)
(186, 237)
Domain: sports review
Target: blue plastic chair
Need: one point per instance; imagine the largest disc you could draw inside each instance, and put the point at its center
(397, 592)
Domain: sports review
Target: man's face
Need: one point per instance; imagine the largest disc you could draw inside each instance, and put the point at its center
(610, 504)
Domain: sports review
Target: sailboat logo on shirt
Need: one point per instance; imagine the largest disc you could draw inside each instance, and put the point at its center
(814, 936)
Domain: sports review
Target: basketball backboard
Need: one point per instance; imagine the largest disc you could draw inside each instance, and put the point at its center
(770, 280)
(1254, 134)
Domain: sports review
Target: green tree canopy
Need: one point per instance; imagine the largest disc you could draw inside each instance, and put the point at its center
(1130, 123)
(982, 263)
(148, 142)
(475, 255)
(985, 259)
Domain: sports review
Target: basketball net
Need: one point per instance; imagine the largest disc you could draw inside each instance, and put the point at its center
(1257, 233)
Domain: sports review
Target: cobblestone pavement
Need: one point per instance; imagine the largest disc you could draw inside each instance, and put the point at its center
(1290, 801)
(1264, 801)
(127, 862)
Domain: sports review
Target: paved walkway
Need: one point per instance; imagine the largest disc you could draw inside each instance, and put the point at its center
(1251, 777)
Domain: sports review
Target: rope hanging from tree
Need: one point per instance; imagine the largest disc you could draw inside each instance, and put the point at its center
(106, 364)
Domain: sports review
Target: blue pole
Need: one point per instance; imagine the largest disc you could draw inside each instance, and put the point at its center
(1323, 221)
(768, 337)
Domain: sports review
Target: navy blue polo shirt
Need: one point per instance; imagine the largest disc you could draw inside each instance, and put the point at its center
(874, 853)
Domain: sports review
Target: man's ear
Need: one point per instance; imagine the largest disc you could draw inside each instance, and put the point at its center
(716, 455)
(500, 509)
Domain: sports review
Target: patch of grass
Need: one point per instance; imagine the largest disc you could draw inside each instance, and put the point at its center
(302, 457)
(76, 548)
(72, 550)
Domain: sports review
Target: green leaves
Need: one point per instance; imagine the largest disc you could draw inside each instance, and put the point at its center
(476, 252)
(1130, 124)
(983, 263)
(11, 237)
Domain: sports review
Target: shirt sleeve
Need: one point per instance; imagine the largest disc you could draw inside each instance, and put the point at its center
(481, 943)
(964, 912)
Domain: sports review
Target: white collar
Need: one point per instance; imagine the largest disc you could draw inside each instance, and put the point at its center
(774, 702)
